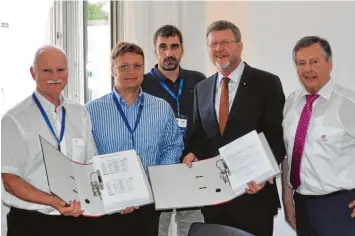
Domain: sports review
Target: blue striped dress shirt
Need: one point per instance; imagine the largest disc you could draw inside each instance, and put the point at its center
(157, 139)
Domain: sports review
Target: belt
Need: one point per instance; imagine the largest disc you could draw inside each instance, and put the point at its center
(323, 196)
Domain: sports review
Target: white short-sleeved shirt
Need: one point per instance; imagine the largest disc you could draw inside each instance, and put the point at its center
(328, 162)
(21, 151)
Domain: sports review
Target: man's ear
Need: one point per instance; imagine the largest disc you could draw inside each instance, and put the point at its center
(155, 52)
(330, 63)
(240, 44)
(113, 72)
(33, 72)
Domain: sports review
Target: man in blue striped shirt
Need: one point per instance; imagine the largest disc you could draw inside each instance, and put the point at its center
(128, 119)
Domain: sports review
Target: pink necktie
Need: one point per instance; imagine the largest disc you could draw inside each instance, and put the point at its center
(300, 140)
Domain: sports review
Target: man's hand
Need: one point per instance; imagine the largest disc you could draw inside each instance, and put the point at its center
(254, 187)
(352, 205)
(74, 209)
(290, 213)
(127, 210)
(189, 158)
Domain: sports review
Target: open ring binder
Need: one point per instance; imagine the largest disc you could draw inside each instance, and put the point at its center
(110, 183)
(248, 158)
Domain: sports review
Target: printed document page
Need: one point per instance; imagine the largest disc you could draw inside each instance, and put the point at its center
(122, 180)
(248, 158)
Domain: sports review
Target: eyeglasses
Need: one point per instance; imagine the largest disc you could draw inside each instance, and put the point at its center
(126, 67)
(223, 43)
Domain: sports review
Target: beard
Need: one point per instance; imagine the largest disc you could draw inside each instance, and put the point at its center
(223, 66)
(170, 64)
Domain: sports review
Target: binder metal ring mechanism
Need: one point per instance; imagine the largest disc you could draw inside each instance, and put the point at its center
(96, 185)
(225, 172)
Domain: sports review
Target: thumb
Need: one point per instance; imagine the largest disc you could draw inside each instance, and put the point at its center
(271, 181)
(188, 162)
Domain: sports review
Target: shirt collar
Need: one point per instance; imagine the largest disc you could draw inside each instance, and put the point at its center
(325, 91)
(47, 105)
(123, 102)
(235, 75)
(159, 76)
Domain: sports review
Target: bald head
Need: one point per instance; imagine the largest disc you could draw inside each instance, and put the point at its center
(47, 49)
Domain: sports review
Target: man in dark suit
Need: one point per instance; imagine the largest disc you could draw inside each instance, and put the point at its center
(233, 102)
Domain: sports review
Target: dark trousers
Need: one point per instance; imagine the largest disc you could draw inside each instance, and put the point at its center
(327, 215)
(143, 221)
(32, 223)
(255, 221)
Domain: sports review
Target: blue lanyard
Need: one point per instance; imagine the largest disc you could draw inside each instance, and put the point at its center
(176, 97)
(124, 118)
(45, 117)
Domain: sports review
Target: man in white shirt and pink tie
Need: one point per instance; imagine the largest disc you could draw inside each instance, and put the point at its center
(319, 133)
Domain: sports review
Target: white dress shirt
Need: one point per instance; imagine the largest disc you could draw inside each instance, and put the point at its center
(328, 162)
(232, 86)
(21, 152)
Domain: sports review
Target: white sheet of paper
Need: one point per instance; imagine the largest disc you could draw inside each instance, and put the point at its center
(248, 158)
(123, 180)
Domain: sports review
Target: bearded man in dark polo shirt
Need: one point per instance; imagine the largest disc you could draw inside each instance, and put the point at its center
(175, 85)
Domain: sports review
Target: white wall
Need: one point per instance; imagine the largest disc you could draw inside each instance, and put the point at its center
(269, 32)
(276, 26)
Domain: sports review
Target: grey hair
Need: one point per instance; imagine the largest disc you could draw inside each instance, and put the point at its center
(224, 25)
(310, 40)
(42, 49)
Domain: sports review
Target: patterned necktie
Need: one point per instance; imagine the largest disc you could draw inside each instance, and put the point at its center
(300, 140)
(224, 104)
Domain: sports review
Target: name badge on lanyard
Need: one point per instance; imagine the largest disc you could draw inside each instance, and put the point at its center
(125, 120)
(182, 123)
(181, 119)
(45, 117)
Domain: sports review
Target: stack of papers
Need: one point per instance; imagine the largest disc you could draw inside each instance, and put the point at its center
(123, 179)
